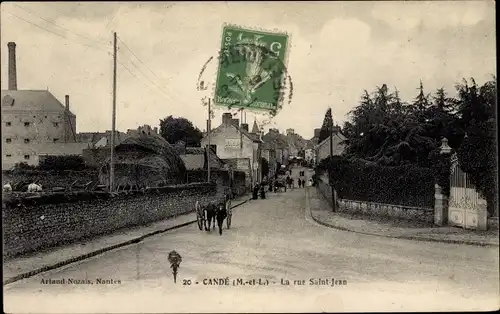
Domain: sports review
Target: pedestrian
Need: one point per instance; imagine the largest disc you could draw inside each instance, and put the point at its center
(255, 192)
(300, 183)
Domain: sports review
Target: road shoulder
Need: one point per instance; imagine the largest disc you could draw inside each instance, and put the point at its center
(321, 213)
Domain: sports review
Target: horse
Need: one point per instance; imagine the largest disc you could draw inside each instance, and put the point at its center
(279, 186)
(215, 212)
(210, 213)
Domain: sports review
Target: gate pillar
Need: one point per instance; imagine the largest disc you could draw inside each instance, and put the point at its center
(440, 206)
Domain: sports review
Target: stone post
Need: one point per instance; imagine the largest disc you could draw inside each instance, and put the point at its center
(440, 206)
(441, 200)
(482, 215)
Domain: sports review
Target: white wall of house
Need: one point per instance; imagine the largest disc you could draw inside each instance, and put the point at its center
(229, 143)
(323, 148)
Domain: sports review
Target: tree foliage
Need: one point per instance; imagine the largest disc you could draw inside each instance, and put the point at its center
(387, 131)
(478, 152)
(70, 162)
(327, 127)
(179, 129)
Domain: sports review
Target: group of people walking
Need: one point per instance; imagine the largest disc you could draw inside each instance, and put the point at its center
(280, 185)
(290, 182)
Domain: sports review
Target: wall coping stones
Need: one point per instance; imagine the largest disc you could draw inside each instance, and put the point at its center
(25, 199)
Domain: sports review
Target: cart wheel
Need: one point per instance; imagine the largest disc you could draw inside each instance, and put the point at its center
(199, 215)
(229, 214)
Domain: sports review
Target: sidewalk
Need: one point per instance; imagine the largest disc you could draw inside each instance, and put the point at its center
(23, 267)
(321, 212)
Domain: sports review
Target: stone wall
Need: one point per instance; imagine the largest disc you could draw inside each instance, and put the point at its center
(34, 223)
(375, 209)
(387, 210)
(324, 188)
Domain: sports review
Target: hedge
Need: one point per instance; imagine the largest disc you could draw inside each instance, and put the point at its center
(70, 162)
(359, 180)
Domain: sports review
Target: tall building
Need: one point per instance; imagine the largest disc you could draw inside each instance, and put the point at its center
(34, 122)
(234, 144)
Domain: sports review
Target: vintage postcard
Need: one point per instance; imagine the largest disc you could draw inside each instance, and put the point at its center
(249, 157)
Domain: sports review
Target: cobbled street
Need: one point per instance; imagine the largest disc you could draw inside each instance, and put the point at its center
(272, 239)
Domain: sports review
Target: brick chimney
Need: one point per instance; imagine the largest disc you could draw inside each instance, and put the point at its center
(244, 126)
(12, 66)
(156, 130)
(226, 118)
(66, 101)
(317, 132)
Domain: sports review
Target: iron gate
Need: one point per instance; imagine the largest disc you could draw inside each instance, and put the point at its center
(467, 208)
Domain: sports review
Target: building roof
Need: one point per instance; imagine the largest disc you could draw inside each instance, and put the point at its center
(275, 140)
(31, 100)
(156, 145)
(101, 139)
(194, 158)
(255, 128)
(339, 135)
(254, 137)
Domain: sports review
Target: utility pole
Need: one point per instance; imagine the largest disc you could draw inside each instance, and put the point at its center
(331, 157)
(209, 127)
(113, 122)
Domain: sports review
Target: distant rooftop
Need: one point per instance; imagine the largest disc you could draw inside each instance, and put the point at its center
(30, 100)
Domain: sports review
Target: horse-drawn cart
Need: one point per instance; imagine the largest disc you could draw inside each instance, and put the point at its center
(216, 210)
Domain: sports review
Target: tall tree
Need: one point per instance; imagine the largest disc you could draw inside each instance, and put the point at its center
(179, 129)
(327, 126)
(478, 152)
(421, 102)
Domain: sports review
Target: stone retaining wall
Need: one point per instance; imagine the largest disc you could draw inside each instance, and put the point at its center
(375, 209)
(324, 189)
(387, 210)
(32, 224)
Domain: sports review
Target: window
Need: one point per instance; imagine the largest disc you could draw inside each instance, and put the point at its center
(8, 155)
(26, 124)
(26, 140)
(56, 140)
(8, 123)
(26, 157)
(56, 124)
(8, 140)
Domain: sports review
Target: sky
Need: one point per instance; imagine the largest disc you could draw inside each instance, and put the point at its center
(337, 50)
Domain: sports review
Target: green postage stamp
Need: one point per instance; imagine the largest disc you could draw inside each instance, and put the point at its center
(251, 71)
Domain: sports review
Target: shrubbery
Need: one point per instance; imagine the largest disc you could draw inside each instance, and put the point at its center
(354, 179)
(71, 162)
